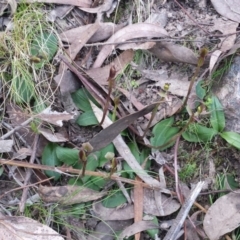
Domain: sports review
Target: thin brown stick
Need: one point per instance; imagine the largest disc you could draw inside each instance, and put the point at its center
(28, 175)
(73, 171)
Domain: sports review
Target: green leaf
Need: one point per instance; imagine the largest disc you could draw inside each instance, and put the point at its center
(232, 138)
(98, 181)
(200, 91)
(114, 200)
(153, 232)
(87, 119)
(81, 99)
(44, 47)
(140, 157)
(217, 118)
(23, 89)
(67, 155)
(199, 133)
(163, 132)
(49, 158)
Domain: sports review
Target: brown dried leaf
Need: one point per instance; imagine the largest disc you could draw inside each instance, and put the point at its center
(105, 7)
(113, 213)
(134, 101)
(81, 40)
(178, 82)
(68, 195)
(55, 117)
(52, 137)
(226, 27)
(12, 228)
(228, 8)
(169, 205)
(78, 3)
(170, 52)
(138, 30)
(111, 131)
(136, 228)
(213, 59)
(104, 32)
(107, 229)
(6, 146)
(100, 75)
(223, 216)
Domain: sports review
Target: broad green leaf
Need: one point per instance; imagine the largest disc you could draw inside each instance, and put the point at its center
(79, 182)
(163, 132)
(87, 119)
(102, 160)
(23, 89)
(232, 138)
(200, 91)
(153, 232)
(44, 47)
(81, 99)
(199, 133)
(98, 181)
(114, 200)
(217, 118)
(67, 155)
(140, 157)
(49, 158)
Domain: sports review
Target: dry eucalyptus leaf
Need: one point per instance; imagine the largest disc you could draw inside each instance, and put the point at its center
(106, 230)
(78, 3)
(113, 213)
(223, 216)
(101, 75)
(104, 32)
(105, 7)
(52, 137)
(6, 146)
(213, 59)
(55, 117)
(68, 195)
(136, 46)
(136, 228)
(168, 205)
(138, 30)
(228, 8)
(178, 82)
(170, 52)
(14, 228)
(225, 27)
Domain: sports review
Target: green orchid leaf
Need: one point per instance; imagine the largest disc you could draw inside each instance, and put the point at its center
(153, 232)
(87, 118)
(114, 200)
(44, 47)
(68, 156)
(217, 118)
(81, 99)
(163, 132)
(200, 91)
(199, 133)
(232, 138)
(49, 158)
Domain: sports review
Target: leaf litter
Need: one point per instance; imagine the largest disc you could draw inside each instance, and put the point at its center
(169, 37)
